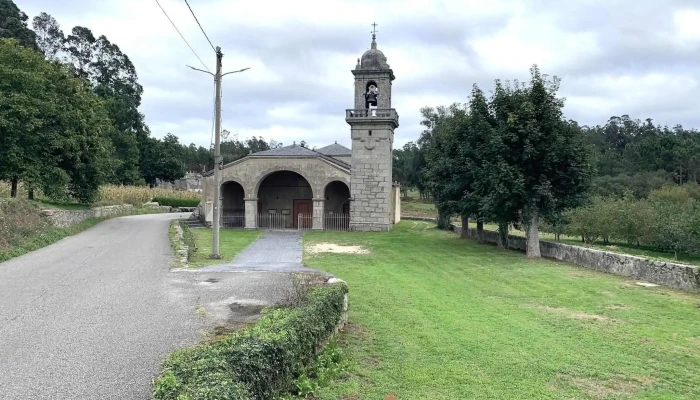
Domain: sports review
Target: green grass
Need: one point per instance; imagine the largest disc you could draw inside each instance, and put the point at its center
(433, 316)
(615, 247)
(231, 241)
(48, 204)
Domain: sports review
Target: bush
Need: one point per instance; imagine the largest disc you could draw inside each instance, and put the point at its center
(259, 362)
(188, 238)
(20, 220)
(177, 201)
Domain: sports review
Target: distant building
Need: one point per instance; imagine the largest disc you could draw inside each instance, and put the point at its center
(192, 181)
(332, 183)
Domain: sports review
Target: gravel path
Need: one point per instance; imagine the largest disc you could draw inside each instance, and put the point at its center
(93, 316)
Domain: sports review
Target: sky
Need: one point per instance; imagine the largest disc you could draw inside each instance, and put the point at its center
(614, 57)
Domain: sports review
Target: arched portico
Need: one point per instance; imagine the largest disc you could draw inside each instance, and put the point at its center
(336, 212)
(232, 205)
(281, 197)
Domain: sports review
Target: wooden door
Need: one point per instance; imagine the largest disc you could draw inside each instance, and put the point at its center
(302, 207)
(346, 209)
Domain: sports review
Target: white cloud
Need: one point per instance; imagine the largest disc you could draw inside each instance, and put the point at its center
(636, 57)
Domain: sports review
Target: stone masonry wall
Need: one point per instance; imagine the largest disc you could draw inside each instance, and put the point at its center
(371, 181)
(68, 218)
(679, 276)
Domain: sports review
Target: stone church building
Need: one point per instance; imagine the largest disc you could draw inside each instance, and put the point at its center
(331, 187)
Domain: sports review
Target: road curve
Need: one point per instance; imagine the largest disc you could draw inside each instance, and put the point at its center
(93, 315)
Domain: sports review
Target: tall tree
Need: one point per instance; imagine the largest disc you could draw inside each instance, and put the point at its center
(13, 25)
(49, 37)
(56, 128)
(549, 152)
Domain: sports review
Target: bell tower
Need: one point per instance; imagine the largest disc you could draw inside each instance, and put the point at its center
(372, 123)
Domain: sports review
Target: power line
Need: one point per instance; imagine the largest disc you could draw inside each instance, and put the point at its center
(200, 26)
(183, 38)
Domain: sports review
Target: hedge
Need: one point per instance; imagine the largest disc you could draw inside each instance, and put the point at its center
(259, 362)
(176, 201)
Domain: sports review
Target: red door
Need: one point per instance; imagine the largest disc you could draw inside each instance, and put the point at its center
(302, 207)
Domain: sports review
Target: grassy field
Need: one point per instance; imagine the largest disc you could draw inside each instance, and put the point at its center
(436, 317)
(414, 207)
(231, 241)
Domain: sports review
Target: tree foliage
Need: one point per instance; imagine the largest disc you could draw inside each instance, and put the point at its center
(13, 25)
(55, 129)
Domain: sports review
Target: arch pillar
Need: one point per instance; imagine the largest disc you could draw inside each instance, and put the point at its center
(251, 213)
(319, 205)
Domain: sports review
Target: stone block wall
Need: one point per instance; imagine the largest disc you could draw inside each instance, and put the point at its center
(68, 218)
(371, 181)
(679, 276)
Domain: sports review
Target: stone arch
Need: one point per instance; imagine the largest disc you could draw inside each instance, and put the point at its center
(266, 173)
(336, 194)
(246, 189)
(333, 179)
(232, 204)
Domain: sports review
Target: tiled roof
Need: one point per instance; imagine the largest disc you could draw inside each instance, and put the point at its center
(293, 150)
(334, 150)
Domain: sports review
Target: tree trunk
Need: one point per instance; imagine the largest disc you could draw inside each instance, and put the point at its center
(533, 233)
(480, 230)
(502, 235)
(30, 194)
(465, 227)
(13, 190)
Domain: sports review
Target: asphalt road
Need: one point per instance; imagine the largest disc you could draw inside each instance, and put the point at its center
(93, 315)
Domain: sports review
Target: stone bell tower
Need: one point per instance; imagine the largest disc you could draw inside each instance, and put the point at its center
(372, 123)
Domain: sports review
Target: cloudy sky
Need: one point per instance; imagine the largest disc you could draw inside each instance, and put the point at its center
(636, 57)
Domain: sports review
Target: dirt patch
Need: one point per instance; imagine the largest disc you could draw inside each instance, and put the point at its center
(618, 307)
(573, 314)
(604, 388)
(336, 248)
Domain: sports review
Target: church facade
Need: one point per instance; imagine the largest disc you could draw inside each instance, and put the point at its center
(332, 187)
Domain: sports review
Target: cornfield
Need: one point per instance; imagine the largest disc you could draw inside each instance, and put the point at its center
(138, 195)
(114, 194)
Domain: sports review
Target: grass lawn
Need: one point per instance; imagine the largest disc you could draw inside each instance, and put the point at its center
(433, 316)
(231, 241)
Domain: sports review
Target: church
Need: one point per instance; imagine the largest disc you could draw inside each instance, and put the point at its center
(331, 187)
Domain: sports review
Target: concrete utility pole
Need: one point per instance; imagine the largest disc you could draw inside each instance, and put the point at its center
(217, 152)
(217, 158)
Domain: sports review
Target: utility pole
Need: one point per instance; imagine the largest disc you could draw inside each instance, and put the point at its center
(217, 152)
(217, 158)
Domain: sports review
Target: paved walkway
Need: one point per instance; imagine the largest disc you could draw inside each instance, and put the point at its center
(93, 315)
(274, 251)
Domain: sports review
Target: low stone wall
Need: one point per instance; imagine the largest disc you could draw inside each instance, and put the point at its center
(68, 218)
(679, 276)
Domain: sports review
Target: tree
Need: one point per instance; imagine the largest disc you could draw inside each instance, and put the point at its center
(548, 152)
(49, 36)
(13, 25)
(56, 128)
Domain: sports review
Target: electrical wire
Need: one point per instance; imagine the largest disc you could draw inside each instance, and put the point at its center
(183, 38)
(200, 26)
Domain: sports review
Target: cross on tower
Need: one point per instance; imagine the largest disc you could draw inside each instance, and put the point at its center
(374, 29)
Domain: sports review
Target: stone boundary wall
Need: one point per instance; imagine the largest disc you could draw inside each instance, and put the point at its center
(68, 218)
(679, 276)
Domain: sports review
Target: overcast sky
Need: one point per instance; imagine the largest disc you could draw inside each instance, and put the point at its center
(636, 57)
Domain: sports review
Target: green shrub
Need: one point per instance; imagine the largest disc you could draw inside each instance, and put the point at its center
(189, 239)
(259, 362)
(176, 201)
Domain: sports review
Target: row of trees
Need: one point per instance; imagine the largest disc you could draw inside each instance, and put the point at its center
(201, 158)
(628, 155)
(70, 118)
(508, 158)
(668, 220)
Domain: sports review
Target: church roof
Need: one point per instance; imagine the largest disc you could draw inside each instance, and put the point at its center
(298, 151)
(293, 150)
(335, 150)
